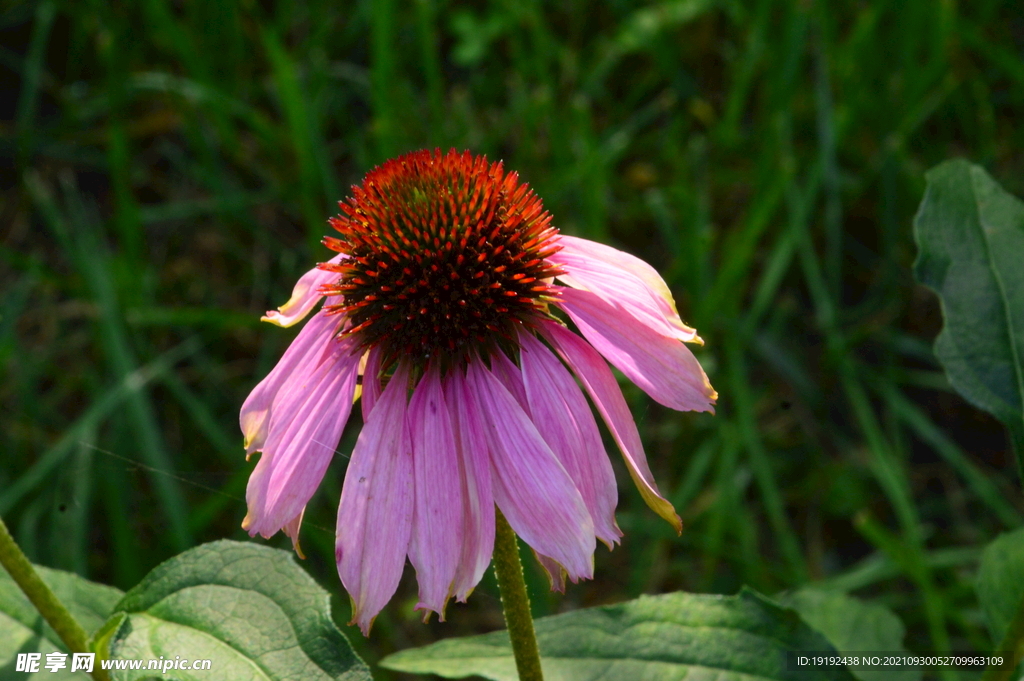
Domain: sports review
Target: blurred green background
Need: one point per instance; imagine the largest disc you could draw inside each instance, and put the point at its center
(167, 169)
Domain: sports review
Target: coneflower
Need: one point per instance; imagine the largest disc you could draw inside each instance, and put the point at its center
(444, 316)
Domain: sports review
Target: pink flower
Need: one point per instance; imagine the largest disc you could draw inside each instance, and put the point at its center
(444, 313)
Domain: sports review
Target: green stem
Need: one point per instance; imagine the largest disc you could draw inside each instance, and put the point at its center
(53, 611)
(1012, 645)
(514, 601)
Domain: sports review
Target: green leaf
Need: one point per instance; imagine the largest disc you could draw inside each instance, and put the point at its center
(668, 637)
(970, 236)
(248, 608)
(852, 625)
(22, 629)
(1000, 583)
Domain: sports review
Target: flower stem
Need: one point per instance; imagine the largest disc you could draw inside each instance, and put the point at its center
(53, 611)
(1012, 645)
(514, 601)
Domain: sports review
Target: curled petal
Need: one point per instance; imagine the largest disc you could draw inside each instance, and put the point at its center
(371, 380)
(563, 417)
(623, 280)
(554, 571)
(662, 367)
(309, 415)
(302, 355)
(475, 477)
(376, 510)
(436, 541)
(305, 295)
(291, 528)
(530, 486)
(510, 376)
(597, 378)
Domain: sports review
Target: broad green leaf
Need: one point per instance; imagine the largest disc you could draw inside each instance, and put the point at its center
(22, 629)
(655, 638)
(852, 625)
(970, 236)
(1001, 581)
(248, 608)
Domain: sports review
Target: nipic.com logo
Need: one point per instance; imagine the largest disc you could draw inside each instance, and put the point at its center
(31, 663)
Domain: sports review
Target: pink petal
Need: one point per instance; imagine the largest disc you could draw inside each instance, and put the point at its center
(475, 476)
(597, 378)
(307, 349)
(371, 381)
(562, 416)
(662, 367)
(530, 486)
(377, 502)
(622, 280)
(305, 296)
(436, 542)
(309, 414)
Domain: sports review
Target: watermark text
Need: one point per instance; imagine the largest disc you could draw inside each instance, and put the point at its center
(31, 663)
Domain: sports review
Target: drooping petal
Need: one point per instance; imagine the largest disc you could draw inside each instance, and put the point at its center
(371, 381)
(436, 542)
(600, 383)
(564, 419)
(305, 295)
(309, 415)
(475, 477)
(662, 367)
(307, 349)
(530, 486)
(622, 279)
(376, 510)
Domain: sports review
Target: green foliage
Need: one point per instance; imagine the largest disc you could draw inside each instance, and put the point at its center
(1001, 582)
(971, 238)
(852, 625)
(672, 636)
(22, 629)
(248, 608)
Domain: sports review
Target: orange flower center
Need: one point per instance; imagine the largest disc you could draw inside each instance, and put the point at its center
(446, 255)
